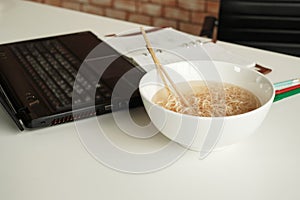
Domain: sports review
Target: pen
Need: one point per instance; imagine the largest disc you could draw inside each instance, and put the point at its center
(287, 83)
(287, 89)
(286, 94)
(135, 33)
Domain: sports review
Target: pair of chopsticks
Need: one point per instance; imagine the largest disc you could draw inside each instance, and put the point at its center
(163, 74)
(286, 89)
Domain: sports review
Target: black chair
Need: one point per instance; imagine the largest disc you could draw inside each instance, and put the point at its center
(266, 24)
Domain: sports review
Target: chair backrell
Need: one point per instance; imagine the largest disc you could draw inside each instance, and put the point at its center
(266, 24)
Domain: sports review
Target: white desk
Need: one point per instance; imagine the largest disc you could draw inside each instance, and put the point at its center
(52, 163)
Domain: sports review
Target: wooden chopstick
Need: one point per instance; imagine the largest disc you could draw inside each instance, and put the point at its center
(163, 74)
(155, 59)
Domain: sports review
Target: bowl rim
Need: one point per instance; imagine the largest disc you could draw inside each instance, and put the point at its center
(266, 104)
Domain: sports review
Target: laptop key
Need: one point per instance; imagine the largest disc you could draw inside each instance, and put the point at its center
(54, 70)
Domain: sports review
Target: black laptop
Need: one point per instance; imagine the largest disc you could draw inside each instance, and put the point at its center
(54, 80)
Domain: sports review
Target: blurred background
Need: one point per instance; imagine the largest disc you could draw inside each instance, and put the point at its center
(185, 15)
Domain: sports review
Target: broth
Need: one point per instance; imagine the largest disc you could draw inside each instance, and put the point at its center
(209, 99)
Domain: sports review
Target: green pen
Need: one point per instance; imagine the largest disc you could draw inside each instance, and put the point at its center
(286, 94)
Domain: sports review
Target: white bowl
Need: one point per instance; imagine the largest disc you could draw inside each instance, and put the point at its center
(202, 133)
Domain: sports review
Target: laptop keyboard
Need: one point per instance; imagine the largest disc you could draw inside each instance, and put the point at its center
(54, 69)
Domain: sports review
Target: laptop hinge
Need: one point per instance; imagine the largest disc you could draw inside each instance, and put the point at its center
(10, 109)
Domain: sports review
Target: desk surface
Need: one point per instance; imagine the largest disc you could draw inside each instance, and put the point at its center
(52, 163)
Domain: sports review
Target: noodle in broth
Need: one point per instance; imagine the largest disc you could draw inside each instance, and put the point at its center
(209, 99)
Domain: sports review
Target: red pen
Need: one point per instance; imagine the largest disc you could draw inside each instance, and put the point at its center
(287, 89)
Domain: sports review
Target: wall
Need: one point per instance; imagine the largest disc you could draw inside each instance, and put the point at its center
(184, 15)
